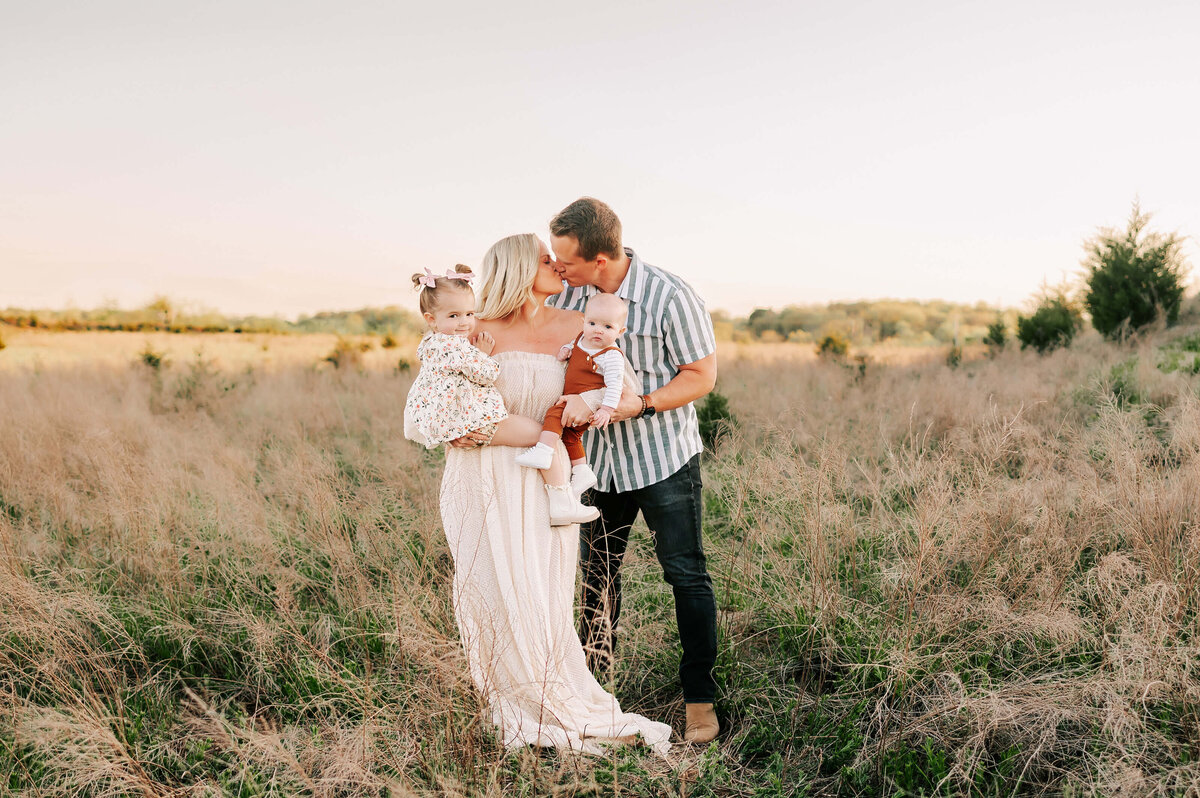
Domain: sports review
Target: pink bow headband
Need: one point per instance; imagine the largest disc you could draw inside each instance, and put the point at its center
(429, 279)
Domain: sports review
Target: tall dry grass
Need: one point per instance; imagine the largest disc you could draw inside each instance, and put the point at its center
(226, 577)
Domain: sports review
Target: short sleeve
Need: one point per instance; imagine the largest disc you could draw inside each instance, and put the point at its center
(687, 328)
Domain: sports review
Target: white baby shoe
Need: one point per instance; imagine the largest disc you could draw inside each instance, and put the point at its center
(582, 478)
(538, 456)
(565, 507)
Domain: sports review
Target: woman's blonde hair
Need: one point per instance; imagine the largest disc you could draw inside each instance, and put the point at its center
(506, 276)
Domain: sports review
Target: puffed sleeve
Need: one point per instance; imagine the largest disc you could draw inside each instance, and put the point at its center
(473, 364)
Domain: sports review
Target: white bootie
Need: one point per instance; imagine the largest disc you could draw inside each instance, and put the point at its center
(538, 456)
(565, 507)
(582, 478)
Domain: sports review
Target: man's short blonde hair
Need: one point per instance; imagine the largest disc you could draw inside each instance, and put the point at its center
(506, 276)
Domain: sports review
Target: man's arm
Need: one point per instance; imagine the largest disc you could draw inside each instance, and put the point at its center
(577, 413)
(693, 381)
(691, 345)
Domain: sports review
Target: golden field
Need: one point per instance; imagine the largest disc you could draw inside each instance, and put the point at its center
(225, 576)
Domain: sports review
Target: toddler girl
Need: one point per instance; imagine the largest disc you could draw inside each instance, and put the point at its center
(454, 392)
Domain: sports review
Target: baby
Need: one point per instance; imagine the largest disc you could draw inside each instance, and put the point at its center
(454, 392)
(593, 362)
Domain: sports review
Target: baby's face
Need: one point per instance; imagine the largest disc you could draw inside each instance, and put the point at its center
(602, 326)
(454, 315)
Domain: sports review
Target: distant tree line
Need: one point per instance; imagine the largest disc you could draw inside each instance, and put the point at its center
(863, 323)
(859, 322)
(162, 315)
(1133, 279)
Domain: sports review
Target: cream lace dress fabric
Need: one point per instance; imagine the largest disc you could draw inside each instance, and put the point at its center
(514, 587)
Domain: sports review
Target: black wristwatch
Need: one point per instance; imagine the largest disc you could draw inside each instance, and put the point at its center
(647, 408)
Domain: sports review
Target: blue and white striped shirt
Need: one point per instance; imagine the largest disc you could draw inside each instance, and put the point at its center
(667, 326)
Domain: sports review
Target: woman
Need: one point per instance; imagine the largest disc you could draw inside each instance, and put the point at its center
(514, 574)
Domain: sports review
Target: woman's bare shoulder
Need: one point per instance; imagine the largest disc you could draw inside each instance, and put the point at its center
(489, 325)
(571, 320)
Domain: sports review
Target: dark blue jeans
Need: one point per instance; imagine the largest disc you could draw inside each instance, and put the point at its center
(672, 510)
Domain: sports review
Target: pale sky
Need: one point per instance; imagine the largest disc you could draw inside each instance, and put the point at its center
(289, 157)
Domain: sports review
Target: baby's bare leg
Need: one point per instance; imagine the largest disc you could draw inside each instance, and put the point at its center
(517, 431)
(559, 472)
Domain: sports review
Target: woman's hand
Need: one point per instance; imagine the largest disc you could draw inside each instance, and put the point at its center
(472, 440)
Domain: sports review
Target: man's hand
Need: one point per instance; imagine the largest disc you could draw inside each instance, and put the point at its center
(484, 342)
(601, 417)
(629, 406)
(576, 413)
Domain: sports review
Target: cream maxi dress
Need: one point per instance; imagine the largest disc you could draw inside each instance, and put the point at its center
(514, 586)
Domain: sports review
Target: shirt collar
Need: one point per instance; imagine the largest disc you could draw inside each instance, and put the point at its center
(631, 286)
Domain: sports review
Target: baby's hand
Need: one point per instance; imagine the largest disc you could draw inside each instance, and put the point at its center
(565, 352)
(485, 343)
(601, 417)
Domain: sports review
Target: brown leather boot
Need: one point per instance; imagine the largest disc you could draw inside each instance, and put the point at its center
(701, 726)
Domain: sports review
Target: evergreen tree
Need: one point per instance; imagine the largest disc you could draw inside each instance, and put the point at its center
(1134, 277)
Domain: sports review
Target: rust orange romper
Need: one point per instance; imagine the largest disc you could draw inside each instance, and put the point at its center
(582, 375)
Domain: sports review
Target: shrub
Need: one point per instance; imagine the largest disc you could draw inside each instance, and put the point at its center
(345, 353)
(997, 336)
(389, 342)
(954, 356)
(1123, 384)
(403, 366)
(152, 357)
(862, 360)
(202, 386)
(1052, 325)
(716, 419)
(1134, 277)
(833, 346)
(2, 343)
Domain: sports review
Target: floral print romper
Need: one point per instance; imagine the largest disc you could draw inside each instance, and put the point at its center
(454, 393)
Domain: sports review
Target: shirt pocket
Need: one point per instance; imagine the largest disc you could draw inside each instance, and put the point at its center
(645, 326)
(644, 347)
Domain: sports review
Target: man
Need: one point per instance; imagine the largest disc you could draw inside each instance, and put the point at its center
(648, 460)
